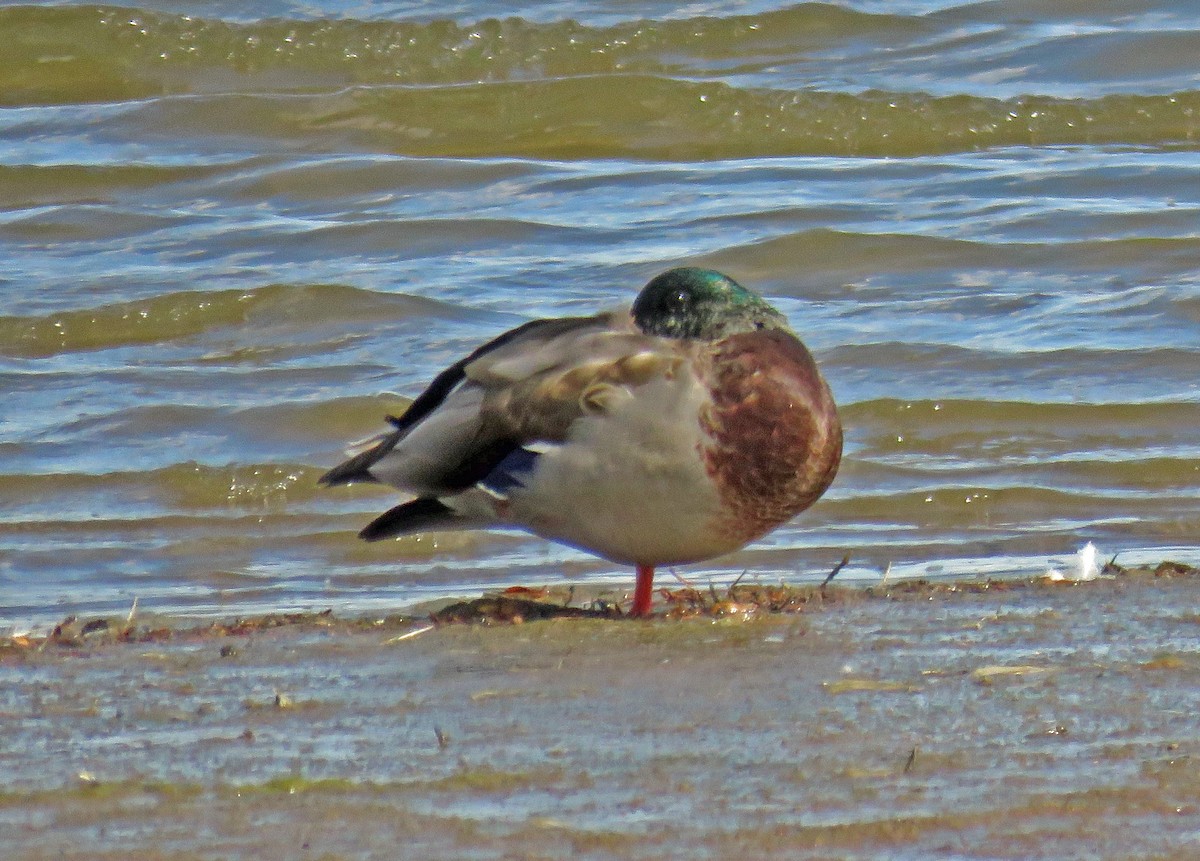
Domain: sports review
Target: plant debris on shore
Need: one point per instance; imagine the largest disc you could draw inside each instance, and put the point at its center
(521, 604)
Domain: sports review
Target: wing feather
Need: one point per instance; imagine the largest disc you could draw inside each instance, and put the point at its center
(529, 385)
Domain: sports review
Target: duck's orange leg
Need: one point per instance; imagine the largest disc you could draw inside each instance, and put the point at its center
(642, 591)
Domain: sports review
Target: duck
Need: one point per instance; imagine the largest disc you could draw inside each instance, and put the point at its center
(676, 431)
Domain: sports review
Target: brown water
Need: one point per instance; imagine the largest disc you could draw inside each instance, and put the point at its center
(1034, 722)
(229, 231)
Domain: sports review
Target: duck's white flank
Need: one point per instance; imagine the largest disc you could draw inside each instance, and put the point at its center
(638, 495)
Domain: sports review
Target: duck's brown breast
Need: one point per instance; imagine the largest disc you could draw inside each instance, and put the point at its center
(775, 438)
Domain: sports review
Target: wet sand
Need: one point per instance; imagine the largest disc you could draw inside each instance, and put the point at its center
(1011, 720)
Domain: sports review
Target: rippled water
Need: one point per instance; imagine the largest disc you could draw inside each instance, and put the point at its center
(234, 236)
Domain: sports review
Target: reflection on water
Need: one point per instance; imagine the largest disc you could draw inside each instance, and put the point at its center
(230, 245)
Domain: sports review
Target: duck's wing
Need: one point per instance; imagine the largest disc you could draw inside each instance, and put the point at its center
(476, 418)
(371, 451)
(478, 430)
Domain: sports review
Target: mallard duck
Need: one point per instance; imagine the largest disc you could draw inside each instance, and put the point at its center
(675, 432)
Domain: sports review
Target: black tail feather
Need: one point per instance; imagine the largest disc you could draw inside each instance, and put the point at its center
(358, 468)
(415, 516)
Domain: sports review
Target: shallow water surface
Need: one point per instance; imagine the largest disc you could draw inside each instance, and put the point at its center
(234, 236)
(1037, 721)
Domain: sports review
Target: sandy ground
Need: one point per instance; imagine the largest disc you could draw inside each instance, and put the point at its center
(1013, 721)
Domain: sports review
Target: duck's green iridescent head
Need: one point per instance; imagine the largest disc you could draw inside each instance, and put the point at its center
(700, 303)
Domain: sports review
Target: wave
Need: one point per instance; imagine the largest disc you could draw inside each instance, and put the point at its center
(655, 118)
(697, 89)
(182, 487)
(109, 54)
(185, 314)
(999, 417)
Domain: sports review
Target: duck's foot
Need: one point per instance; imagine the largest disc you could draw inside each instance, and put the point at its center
(643, 591)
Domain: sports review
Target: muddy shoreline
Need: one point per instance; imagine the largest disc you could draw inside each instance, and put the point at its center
(981, 719)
